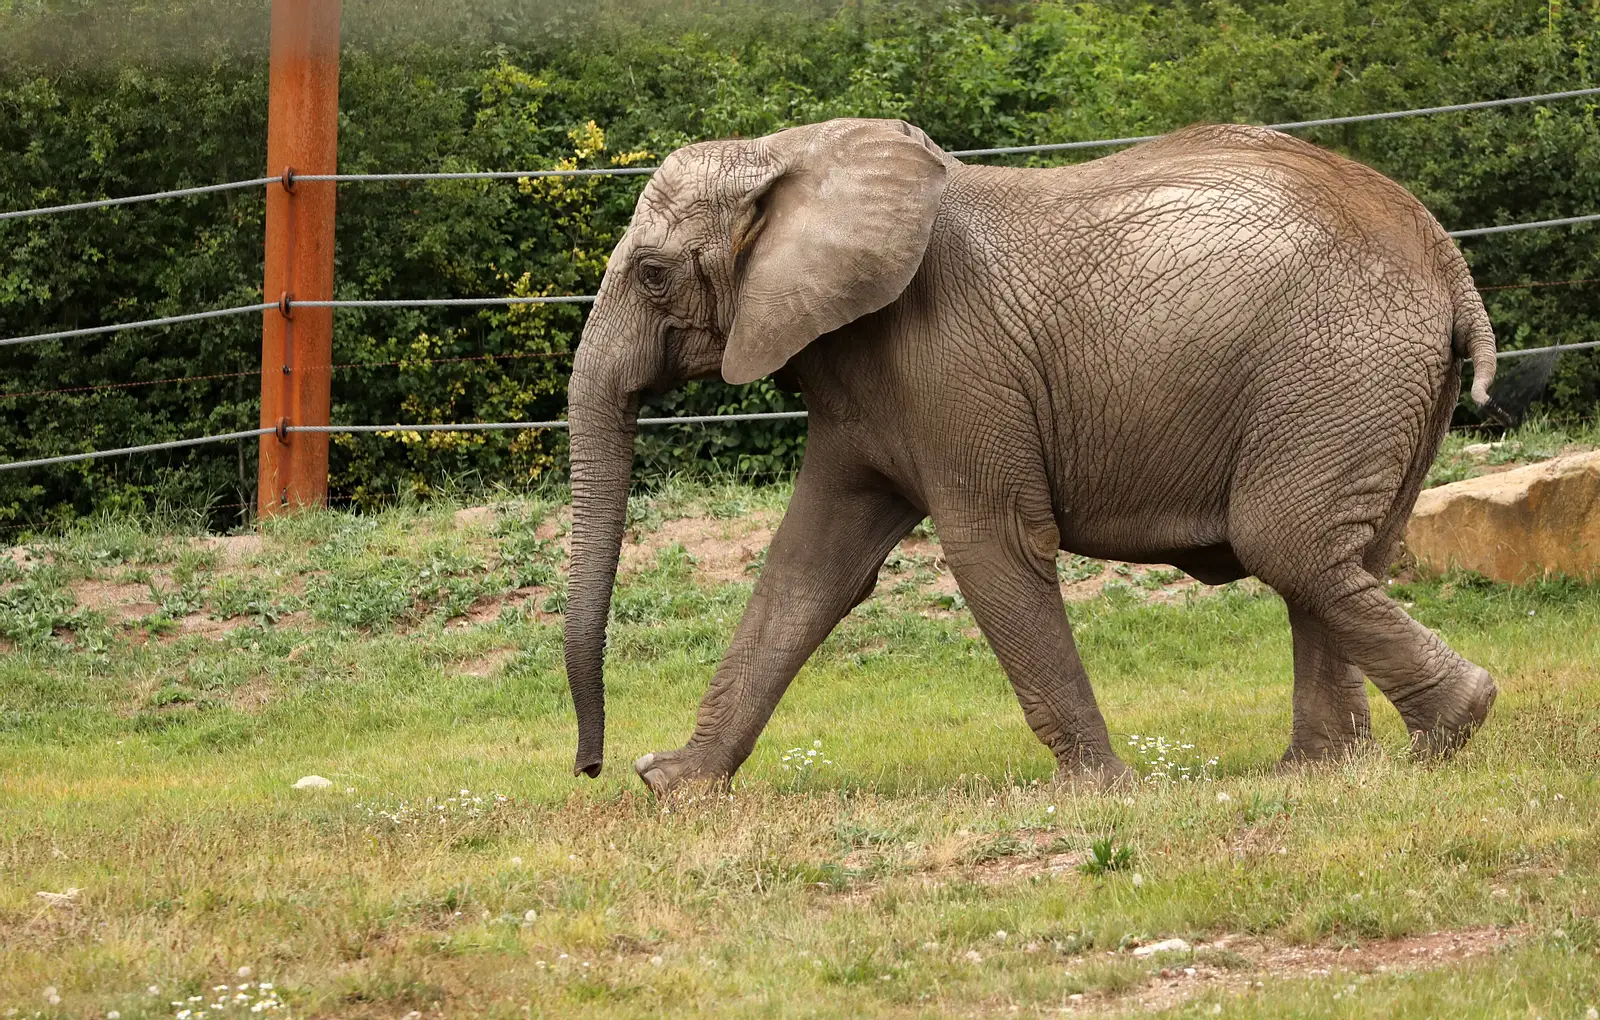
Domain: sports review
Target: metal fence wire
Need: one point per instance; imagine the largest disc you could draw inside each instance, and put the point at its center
(576, 299)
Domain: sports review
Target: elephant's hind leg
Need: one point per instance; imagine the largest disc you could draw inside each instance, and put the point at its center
(1441, 697)
(1331, 715)
(1317, 512)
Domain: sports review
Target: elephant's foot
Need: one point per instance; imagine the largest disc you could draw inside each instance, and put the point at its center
(665, 771)
(1450, 716)
(1100, 774)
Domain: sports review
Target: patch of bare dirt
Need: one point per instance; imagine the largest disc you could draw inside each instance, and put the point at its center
(119, 602)
(22, 556)
(489, 608)
(722, 549)
(554, 525)
(252, 697)
(1238, 964)
(989, 860)
(486, 664)
(473, 517)
(209, 626)
(232, 550)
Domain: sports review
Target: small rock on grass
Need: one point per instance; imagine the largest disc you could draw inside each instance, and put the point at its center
(60, 899)
(312, 783)
(1167, 946)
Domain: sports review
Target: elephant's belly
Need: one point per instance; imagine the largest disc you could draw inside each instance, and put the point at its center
(1210, 564)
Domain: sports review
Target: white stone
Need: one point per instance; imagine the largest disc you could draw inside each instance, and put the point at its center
(61, 899)
(312, 783)
(1165, 946)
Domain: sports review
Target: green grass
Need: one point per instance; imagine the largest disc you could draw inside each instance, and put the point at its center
(148, 762)
(1535, 440)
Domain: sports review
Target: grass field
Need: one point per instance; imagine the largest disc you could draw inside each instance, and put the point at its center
(162, 692)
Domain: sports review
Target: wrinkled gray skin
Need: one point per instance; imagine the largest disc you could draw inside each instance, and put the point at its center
(1227, 350)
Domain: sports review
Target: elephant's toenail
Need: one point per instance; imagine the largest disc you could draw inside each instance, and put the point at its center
(643, 763)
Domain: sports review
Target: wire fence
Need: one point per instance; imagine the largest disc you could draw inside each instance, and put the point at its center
(289, 179)
(582, 299)
(1003, 150)
(481, 426)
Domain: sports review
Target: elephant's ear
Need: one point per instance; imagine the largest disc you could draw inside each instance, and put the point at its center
(835, 231)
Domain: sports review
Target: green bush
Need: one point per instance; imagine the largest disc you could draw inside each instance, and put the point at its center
(135, 104)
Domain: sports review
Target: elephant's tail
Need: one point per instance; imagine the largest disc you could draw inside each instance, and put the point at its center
(1473, 338)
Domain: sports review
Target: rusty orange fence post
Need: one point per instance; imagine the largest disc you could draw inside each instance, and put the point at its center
(297, 343)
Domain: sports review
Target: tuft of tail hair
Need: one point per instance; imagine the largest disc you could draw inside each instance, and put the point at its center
(1473, 339)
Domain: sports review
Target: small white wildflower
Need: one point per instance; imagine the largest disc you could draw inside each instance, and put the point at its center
(52, 996)
(244, 972)
(154, 989)
(1138, 880)
(656, 961)
(1223, 798)
(1592, 1014)
(816, 743)
(265, 986)
(1000, 936)
(973, 956)
(530, 916)
(114, 1015)
(1050, 810)
(516, 862)
(930, 946)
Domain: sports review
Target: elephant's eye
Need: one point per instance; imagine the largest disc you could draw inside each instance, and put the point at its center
(653, 276)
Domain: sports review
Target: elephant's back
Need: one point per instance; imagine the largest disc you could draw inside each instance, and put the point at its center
(1208, 187)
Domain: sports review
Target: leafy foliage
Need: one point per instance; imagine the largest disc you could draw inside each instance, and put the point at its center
(1105, 856)
(515, 87)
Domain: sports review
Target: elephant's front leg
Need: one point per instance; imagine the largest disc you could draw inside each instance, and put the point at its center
(823, 561)
(1007, 574)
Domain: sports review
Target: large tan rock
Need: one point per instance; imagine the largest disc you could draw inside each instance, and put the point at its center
(1515, 525)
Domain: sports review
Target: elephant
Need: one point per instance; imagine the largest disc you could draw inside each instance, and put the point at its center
(1227, 350)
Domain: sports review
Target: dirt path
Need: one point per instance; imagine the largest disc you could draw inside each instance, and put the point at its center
(1240, 964)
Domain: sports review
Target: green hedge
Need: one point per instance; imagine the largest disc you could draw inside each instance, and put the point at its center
(158, 96)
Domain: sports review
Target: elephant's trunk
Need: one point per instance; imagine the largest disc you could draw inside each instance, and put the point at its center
(603, 421)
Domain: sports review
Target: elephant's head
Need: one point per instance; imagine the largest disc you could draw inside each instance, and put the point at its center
(740, 253)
